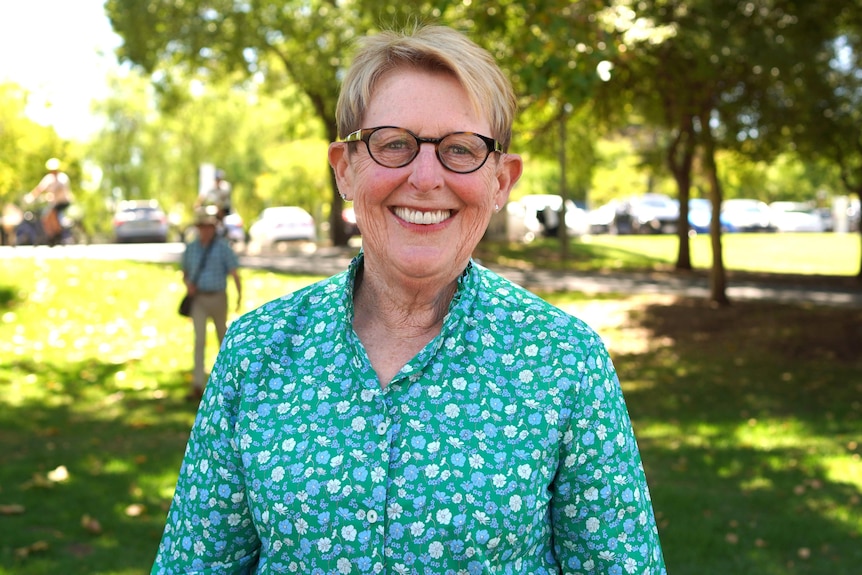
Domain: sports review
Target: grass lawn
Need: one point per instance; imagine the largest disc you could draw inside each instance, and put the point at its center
(748, 417)
(814, 254)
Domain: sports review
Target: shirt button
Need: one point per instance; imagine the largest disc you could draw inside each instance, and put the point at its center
(382, 427)
(371, 516)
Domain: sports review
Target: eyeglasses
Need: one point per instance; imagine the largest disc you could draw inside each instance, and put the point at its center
(460, 152)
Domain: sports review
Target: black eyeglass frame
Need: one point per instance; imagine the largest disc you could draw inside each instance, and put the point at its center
(364, 135)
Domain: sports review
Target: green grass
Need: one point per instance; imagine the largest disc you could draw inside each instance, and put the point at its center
(748, 418)
(814, 254)
(94, 363)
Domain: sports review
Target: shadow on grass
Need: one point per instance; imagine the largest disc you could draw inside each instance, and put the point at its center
(8, 297)
(748, 420)
(546, 254)
(121, 447)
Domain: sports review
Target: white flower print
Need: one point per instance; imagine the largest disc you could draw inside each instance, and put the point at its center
(343, 566)
(435, 550)
(515, 503)
(444, 516)
(524, 471)
(417, 528)
(602, 432)
(394, 510)
(525, 376)
(593, 525)
(324, 544)
(278, 473)
(452, 411)
(348, 532)
(301, 526)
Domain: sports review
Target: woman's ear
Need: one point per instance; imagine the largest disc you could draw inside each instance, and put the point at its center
(509, 171)
(340, 162)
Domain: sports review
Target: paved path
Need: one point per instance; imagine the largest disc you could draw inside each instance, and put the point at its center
(327, 261)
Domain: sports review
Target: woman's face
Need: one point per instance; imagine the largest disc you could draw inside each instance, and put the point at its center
(422, 221)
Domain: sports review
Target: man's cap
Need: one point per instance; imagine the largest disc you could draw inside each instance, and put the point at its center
(206, 216)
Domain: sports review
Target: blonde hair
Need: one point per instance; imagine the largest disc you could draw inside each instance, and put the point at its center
(432, 48)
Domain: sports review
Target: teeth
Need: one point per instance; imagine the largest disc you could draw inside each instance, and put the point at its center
(426, 218)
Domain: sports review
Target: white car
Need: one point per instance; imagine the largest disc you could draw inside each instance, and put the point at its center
(746, 215)
(537, 215)
(796, 217)
(282, 224)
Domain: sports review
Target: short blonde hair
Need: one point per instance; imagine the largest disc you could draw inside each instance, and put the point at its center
(432, 48)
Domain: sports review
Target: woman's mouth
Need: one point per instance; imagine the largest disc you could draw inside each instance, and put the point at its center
(423, 218)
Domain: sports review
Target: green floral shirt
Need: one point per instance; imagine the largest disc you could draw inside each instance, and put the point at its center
(503, 447)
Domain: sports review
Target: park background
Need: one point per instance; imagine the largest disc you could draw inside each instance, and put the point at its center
(748, 413)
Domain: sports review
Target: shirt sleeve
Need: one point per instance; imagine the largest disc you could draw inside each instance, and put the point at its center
(209, 528)
(601, 511)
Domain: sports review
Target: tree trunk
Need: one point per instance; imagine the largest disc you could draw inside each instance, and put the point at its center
(564, 192)
(680, 156)
(717, 277)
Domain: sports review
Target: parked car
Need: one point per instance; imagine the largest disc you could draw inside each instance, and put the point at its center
(282, 224)
(538, 215)
(601, 219)
(746, 215)
(700, 216)
(827, 218)
(796, 217)
(140, 221)
(234, 229)
(645, 214)
(348, 216)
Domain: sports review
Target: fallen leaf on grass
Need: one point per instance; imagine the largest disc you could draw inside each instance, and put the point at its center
(11, 509)
(24, 552)
(732, 538)
(91, 524)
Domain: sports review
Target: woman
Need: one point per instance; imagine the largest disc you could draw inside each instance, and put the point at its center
(416, 413)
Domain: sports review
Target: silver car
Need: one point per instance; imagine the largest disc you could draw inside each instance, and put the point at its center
(140, 221)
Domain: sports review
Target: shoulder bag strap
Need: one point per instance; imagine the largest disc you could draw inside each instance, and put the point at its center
(203, 262)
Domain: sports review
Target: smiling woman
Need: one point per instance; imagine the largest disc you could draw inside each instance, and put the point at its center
(63, 66)
(416, 412)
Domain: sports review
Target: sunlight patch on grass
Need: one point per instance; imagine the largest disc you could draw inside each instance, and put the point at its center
(843, 469)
